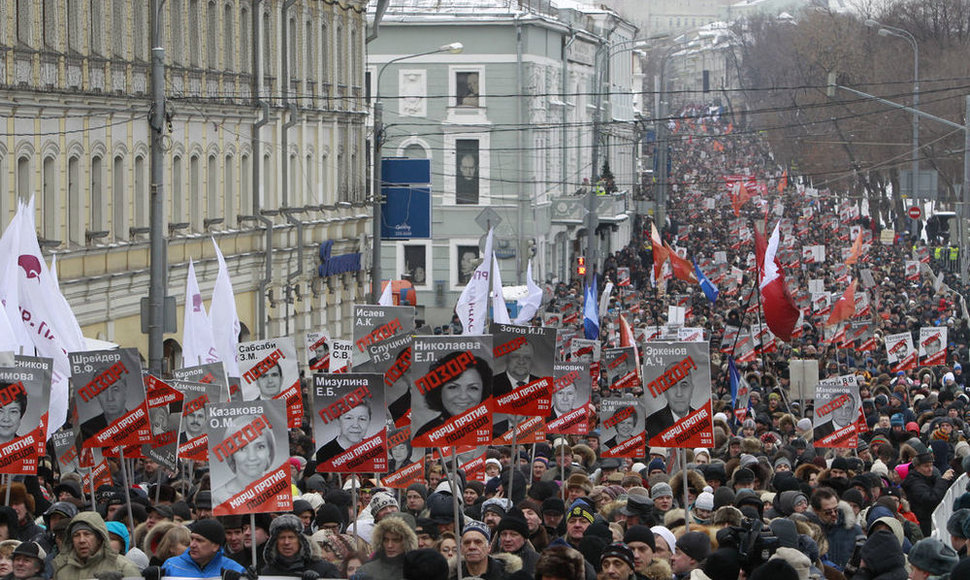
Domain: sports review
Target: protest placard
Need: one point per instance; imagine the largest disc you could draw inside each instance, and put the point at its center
(270, 371)
(677, 394)
(110, 397)
(349, 423)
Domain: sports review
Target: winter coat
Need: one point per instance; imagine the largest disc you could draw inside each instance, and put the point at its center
(183, 566)
(883, 558)
(924, 494)
(381, 567)
(307, 558)
(841, 535)
(67, 566)
(529, 557)
(500, 567)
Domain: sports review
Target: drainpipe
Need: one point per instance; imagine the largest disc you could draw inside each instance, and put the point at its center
(294, 119)
(255, 145)
(522, 197)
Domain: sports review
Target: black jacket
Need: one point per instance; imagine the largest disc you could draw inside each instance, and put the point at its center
(883, 558)
(924, 494)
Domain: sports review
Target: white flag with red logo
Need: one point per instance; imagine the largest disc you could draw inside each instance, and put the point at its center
(198, 345)
(500, 312)
(472, 307)
(225, 321)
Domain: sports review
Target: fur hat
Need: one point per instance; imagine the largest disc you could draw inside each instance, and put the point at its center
(581, 481)
(750, 445)
(18, 495)
(560, 562)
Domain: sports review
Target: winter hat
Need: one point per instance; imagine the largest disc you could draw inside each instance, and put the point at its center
(798, 561)
(897, 420)
(581, 509)
(498, 505)
(329, 514)
(933, 556)
(656, 463)
(31, 550)
(956, 525)
(784, 529)
(380, 501)
(212, 530)
(853, 495)
(723, 496)
(667, 536)
(748, 459)
(618, 550)
(723, 564)
(743, 475)
(640, 533)
(477, 526)
(553, 505)
(420, 488)
(285, 522)
(803, 425)
(840, 463)
(514, 521)
(696, 545)
(782, 461)
(661, 489)
(493, 461)
(424, 563)
(299, 506)
(701, 451)
(705, 500)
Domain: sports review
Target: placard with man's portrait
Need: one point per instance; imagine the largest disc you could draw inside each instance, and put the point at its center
(165, 417)
(571, 391)
(837, 412)
(677, 394)
(932, 345)
(270, 371)
(193, 441)
(468, 260)
(110, 397)
(318, 351)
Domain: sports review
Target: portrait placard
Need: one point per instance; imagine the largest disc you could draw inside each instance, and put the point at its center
(270, 371)
(109, 393)
(349, 423)
(838, 411)
(571, 392)
(677, 394)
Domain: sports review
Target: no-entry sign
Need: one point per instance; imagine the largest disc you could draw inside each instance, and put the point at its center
(914, 212)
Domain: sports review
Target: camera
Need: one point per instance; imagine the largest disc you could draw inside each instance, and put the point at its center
(754, 542)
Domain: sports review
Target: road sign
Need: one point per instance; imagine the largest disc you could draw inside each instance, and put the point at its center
(914, 212)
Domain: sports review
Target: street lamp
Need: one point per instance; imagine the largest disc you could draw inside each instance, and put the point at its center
(885, 30)
(453, 48)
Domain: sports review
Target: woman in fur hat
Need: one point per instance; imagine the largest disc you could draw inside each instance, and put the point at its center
(392, 538)
(695, 485)
(23, 504)
(289, 553)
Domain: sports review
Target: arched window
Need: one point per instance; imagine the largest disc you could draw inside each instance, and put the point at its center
(245, 28)
(119, 199)
(195, 194)
(228, 191)
(50, 209)
(292, 51)
(118, 28)
(75, 205)
(267, 47)
(140, 193)
(228, 35)
(310, 71)
(268, 190)
(97, 193)
(324, 56)
(25, 22)
(212, 34)
(96, 12)
(212, 188)
(74, 40)
(50, 24)
(140, 29)
(294, 185)
(177, 196)
(23, 178)
(245, 190)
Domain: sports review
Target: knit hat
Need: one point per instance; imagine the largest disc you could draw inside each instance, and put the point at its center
(618, 550)
(782, 461)
(514, 521)
(933, 556)
(897, 420)
(705, 500)
(493, 461)
(580, 509)
(798, 561)
(498, 505)
(957, 522)
(380, 501)
(285, 522)
(748, 459)
(661, 489)
(696, 545)
(424, 563)
(211, 529)
(804, 425)
(656, 463)
(420, 488)
(840, 463)
(743, 475)
(667, 536)
(640, 534)
(723, 496)
(477, 526)
(853, 495)
(553, 505)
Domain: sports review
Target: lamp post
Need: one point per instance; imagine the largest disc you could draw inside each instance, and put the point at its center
(454, 48)
(660, 196)
(885, 30)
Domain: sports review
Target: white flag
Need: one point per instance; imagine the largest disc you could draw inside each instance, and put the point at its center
(198, 345)
(222, 316)
(46, 315)
(529, 305)
(387, 296)
(472, 307)
(18, 340)
(605, 300)
(500, 312)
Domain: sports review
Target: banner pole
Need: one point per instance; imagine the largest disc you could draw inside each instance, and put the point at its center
(9, 480)
(158, 484)
(94, 501)
(515, 460)
(252, 535)
(683, 465)
(124, 481)
(454, 500)
(562, 470)
(353, 495)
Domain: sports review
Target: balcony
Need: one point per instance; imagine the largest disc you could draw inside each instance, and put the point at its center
(570, 210)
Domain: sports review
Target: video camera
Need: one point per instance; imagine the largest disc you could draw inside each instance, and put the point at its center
(753, 540)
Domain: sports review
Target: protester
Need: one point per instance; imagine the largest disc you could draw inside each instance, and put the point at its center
(89, 552)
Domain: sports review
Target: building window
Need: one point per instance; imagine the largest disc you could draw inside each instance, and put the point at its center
(324, 54)
(228, 34)
(177, 48)
(267, 48)
(267, 193)
(467, 89)
(25, 22)
(50, 24)
(415, 151)
(49, 205)
(140, 193)
(177, 177)
(308, 49)
(97, 26)
(328, 197)
(74, 40)
(97, 193)
(414, 263)
(23, 178)
(141, 25)
(292, 51)
(75, 217)
(195, 42)
(245, 25)
(212, 188)
(118, 28)
(245, 191)
(212, 34)
(228, 195)
(466, 182)
(119, 201)
(195, 194)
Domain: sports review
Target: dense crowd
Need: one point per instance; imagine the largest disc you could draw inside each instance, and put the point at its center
(762, 502)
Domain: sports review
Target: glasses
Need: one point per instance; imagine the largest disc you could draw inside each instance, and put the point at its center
(831, 511)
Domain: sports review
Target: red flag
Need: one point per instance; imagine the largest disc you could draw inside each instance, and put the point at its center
(683, 270)
(783, 182)
(844, 308)
(781, 314)
(740, 198)
(760, 246)
(660, 253)
(856, 250)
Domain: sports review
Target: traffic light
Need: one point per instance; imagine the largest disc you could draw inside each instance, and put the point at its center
(580, 266)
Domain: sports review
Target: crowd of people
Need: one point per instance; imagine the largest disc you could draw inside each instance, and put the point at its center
(762, 502)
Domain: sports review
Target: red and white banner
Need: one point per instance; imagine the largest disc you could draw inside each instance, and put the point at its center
(571, 391)
(932, 345)
(900, 351)
(349, 423)
(677, 394)
(270, 370)
(838, 417)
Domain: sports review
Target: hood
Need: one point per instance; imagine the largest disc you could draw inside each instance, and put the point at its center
(846, 516)
(119, 529)
(658, 570)
(785, 502)
(289, 522)
(97, 524)
(882, 553)
(397, 526)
